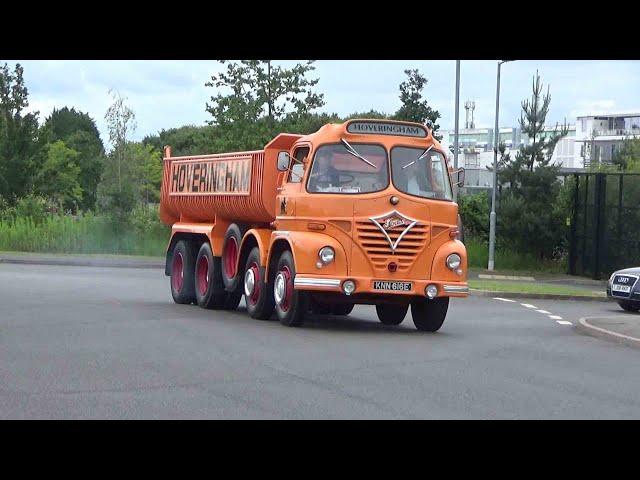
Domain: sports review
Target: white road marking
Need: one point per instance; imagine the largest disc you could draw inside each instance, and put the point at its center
(557, 318)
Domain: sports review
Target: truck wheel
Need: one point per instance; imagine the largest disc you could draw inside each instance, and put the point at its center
(182, 270)
(291, 305)
(232, 301)
(629, 307)
(230, 253)
(342, 309)
(209, 289)
(258, 294)
(428, 315)
(391, 314)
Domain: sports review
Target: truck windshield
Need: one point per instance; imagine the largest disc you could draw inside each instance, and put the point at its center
(336, 170)
(425, 177)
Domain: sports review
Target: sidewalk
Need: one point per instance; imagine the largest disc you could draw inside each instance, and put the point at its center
(624, 328)
(89, 260)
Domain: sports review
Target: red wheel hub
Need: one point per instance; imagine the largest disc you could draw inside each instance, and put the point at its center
(230, 256)
(287, 286)
(255, 293)
(202, 275)
(177, 272)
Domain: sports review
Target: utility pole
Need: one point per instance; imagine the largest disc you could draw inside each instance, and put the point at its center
(492, 217)
(455, 138)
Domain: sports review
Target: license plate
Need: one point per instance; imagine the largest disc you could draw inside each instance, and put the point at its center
(620, 288)
(393, 286)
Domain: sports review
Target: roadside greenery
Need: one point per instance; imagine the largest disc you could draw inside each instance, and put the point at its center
(532, 287)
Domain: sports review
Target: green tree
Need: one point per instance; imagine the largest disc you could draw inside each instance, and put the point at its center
(58, 178)
(527, 219)
(260, 89)
(79, 132)
(148, 162)
(258, 96)
(185, 140)
(18, 134)
(118, 188)
(414, 108)
(627, 158)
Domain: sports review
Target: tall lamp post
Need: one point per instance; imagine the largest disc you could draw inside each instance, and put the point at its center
(456, 133)
(492, 217)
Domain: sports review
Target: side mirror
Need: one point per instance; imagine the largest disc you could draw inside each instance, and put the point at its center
(459, 181)
(283, 161)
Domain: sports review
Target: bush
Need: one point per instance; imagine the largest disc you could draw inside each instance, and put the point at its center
(82, 234)
(474, 210)
(32, 206)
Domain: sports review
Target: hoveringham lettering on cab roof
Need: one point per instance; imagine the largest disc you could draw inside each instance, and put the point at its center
(387, 129)
(219, 176)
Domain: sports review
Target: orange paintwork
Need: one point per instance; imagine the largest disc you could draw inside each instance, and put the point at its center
(361, 249)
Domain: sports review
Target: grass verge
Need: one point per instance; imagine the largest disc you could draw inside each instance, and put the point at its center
(533, 287)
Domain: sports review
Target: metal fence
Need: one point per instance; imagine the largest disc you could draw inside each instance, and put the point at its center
(605, 223)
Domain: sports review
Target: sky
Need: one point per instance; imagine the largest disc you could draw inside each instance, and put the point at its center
(166, 94)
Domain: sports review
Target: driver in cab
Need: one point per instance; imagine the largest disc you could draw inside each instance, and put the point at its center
(323, 174)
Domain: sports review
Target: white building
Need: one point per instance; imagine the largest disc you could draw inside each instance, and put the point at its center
(598, 136)
(475, 150)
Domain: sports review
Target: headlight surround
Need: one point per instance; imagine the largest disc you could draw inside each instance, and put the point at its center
(327, 255)
(454, 261)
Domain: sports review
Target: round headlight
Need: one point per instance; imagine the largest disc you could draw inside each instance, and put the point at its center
(348, 287)
(431, 291)
(326, 254)
(453, 261)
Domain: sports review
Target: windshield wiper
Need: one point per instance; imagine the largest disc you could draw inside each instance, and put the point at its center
(352, 151)
(424, 154)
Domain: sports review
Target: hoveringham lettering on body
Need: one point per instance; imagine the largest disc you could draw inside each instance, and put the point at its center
(218, 176)
(387, 129)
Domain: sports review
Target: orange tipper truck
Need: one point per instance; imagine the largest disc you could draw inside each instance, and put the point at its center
(356, 213)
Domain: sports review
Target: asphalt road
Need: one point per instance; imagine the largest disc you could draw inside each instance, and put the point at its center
(79, 342)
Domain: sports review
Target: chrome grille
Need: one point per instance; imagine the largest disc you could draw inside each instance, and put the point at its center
(379, 251)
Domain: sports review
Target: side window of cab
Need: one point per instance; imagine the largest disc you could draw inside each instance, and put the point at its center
(297, 169)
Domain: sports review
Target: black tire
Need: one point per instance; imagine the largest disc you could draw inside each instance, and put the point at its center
(428, 315)
(391, 314)
(629, 307)
(232, 277)
(342, 309)
(260, 303)
(295, 303)
(232, 301)
(182, 277)
(209, 291)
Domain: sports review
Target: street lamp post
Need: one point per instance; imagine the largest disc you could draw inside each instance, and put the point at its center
(455, 138)
(492, 216)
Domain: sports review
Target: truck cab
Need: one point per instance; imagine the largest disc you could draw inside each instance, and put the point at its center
(374, 199)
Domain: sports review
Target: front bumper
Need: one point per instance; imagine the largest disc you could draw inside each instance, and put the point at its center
(364, 285)
(633, 297)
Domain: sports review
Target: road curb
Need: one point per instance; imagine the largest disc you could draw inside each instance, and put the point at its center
(583, 326)
(539, 296)
(84, 263)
